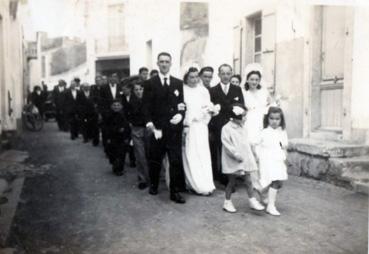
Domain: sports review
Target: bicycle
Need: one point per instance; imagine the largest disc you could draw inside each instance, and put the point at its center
(31, 118)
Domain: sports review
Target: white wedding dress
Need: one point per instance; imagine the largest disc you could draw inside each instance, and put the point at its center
(196, 150)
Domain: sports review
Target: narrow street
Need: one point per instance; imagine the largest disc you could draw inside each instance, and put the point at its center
(78, 206)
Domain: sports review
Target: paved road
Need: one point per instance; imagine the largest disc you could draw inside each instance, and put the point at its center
(79, 207)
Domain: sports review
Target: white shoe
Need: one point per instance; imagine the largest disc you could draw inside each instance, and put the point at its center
(272, 210)
(255, 204)
(272, 195)
(229, 207)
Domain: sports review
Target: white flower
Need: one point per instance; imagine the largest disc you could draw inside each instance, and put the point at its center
(176, 92)
(237, 110)
(236, 99)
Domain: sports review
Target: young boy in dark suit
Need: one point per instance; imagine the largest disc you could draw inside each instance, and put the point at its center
(126, 102)
(136, 119)
(118, 137)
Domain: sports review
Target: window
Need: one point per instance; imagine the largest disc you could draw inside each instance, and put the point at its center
(116, 30)
(43, 66)
(257, 39)
(237, 35)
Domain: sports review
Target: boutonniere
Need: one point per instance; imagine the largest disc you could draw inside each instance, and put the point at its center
(236, 99)
(121, 92)
(176, 92)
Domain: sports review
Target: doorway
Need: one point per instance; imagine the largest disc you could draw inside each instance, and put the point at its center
(328, 76)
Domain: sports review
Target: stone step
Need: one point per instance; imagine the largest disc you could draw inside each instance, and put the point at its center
(342, 166)
(361, 187)
(354, 170)
(327, 149)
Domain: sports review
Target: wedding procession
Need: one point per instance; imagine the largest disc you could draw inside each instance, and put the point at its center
(204, 134)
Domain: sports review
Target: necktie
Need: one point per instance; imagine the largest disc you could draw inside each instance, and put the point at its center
(165, 82)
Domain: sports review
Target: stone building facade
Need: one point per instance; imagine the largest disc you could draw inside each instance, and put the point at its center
(315, 55)
(12, 54)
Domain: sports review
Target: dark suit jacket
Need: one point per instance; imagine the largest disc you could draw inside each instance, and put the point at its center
(71, 104)
(95, 94)
(136, 115)
(58, 98)
(126, 105)
(115, 121)
(86, 106)
(217, 96)
(160, 104)
(106, 97)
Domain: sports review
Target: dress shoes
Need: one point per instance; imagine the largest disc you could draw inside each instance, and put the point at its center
(118, 173)
(142, 186)
(153, 190)
(176, 197)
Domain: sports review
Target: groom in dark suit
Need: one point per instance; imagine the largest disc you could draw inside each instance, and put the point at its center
(224, 94)
(164, 111)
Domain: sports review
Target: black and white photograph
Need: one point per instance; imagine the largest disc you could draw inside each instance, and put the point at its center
(184, 126)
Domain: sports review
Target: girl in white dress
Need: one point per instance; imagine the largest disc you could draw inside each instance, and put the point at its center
(271, 151)
(196, 150)
(238, 157)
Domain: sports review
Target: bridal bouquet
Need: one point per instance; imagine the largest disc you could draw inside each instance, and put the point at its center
(212, 109)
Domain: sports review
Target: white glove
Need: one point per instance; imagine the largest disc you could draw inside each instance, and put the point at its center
(158, 134)
(177, 118)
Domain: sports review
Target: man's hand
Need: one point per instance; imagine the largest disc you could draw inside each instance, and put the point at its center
(177, 118)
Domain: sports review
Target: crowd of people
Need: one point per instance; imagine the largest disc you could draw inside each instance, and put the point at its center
(200, 134)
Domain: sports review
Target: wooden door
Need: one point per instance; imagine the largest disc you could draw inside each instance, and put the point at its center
(332, 68)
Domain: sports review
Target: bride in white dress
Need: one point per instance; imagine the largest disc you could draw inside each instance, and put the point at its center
(196, 150)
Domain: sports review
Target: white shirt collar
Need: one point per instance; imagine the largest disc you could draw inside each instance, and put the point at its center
(162, 76)
(223, 85)
(74, 93)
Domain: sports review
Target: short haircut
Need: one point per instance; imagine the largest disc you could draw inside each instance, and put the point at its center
(224, 65)
(237, 76)
(137, 83)
(206, 68)
(191, 69)
(164, 54)
(152, 72)
(273, 110)
(247, 87)
(142, 69)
